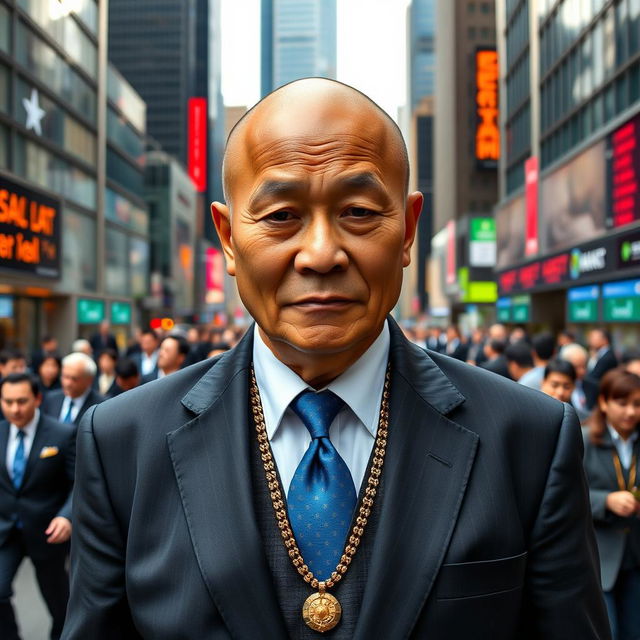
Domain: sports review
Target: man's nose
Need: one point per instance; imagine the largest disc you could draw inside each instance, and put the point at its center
(321, 248)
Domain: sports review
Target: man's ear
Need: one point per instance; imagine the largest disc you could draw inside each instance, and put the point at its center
(222, 222)
(411, 215)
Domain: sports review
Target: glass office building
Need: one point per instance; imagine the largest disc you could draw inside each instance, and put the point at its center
(298, 41)
(568, 222)
(74, 229)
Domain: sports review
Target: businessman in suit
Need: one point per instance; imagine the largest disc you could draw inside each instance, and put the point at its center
(71, 402)
(602, 359)
(468, 517)
(37, 457)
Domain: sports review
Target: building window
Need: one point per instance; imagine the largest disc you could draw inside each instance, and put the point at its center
(471, 7)
(116, 260)
(4, 88)
(5, 29)
(471, 33)
(139, 266)
(634, 27)
(4, 147)
(622, 24)
(79, 267)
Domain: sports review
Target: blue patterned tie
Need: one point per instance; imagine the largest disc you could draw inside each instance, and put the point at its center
(19, 461)
(67, 416)
(322, 495)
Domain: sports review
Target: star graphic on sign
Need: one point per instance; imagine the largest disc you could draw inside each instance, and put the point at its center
(34, 112)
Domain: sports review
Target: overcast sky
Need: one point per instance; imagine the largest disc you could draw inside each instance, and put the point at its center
(371, 50)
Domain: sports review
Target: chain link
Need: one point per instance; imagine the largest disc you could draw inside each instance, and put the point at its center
(276, 492)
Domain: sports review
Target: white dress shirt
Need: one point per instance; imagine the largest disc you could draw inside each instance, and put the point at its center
(148, 363)
(12, 444)
(623, 447)
(353, 430)
(77, 405)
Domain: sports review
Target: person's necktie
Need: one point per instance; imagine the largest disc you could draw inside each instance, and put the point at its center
(67, 416)
(19, 461)
(322, 495)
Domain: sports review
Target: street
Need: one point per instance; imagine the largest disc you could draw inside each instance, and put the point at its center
(33, 619)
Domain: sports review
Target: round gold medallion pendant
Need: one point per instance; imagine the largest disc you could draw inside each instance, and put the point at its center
(321, 611)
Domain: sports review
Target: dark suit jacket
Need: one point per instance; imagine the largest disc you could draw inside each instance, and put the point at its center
(613, 532)
(497, 365)
(52, 404)
(99, 344)
(591, 381)
(484, 532)
(47, 485)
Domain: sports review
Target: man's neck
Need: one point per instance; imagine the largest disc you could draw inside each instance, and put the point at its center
(317, 370)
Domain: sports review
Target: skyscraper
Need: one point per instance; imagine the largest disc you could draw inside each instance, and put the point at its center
(298, 41)
(422, 56)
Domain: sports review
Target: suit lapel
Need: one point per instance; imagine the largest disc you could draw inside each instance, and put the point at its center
(4, 442)
(210, 456)
(428, 462)
(605, 455)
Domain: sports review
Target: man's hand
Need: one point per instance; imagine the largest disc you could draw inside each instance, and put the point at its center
(622, 503)
(58, 531)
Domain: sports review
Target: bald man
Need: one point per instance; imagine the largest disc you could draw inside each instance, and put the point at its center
(326, 476)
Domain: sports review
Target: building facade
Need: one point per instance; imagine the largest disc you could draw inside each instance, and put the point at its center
(298, 41)
(568, 221)
(466, 150)
(74, 229)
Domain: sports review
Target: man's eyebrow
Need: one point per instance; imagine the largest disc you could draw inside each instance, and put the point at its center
(275, 188)
(363, 180)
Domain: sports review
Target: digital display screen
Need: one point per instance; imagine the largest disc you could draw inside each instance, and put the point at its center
(625, 173)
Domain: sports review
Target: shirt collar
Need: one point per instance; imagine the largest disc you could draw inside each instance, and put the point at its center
(363, 380)
(615, 436)
(29, 428)
(80, 400)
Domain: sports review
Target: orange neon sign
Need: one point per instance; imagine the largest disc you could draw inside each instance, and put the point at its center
(487, 132)
(29, 230)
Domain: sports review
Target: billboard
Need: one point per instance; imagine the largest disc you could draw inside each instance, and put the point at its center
(510, 232)
(487, 145)
(573, 201)
(531, 195)
(29, 231)
(197, 142)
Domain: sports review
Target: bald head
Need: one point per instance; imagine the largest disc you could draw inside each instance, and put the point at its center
(299, 117)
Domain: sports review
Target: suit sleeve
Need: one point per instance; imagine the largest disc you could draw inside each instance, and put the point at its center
(98, 607)
(70, 468)
(563, 598)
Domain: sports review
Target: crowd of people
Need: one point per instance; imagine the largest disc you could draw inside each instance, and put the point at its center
(52, 392)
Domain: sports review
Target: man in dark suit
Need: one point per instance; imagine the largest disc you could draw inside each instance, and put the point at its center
(103, 339)
(171, 356)
(37, 457)
(602, 359)
(496, 361)
(217, 501)
(70, 403)
(147, 358)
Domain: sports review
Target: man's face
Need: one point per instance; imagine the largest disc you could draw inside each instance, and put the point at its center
(596, 340)
(127, 383)
(74, 379)
(19, 403)
(148, 343)
(320, 227)
(579, 363)
(558, 386)
(169, 357)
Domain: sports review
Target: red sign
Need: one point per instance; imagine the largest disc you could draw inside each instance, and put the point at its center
(487, 132)
(625, 173)
(531, 178)
(197, 141)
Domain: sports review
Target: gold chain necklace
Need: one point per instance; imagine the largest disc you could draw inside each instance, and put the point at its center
(321, 611)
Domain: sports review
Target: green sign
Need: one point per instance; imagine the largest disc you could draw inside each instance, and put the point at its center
(120, 313)
(90, 311)
(503, 314)
(475, 291)
(625, 309)
(520, 308)
(583, 311)
(483, 230)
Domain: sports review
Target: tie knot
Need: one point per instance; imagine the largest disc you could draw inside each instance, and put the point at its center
(20, 434)
(317, 411)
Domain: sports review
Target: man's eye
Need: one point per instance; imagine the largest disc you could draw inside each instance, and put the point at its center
(279, 216)
(359, 212)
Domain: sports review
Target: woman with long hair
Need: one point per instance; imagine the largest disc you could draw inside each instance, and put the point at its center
(611, 465)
